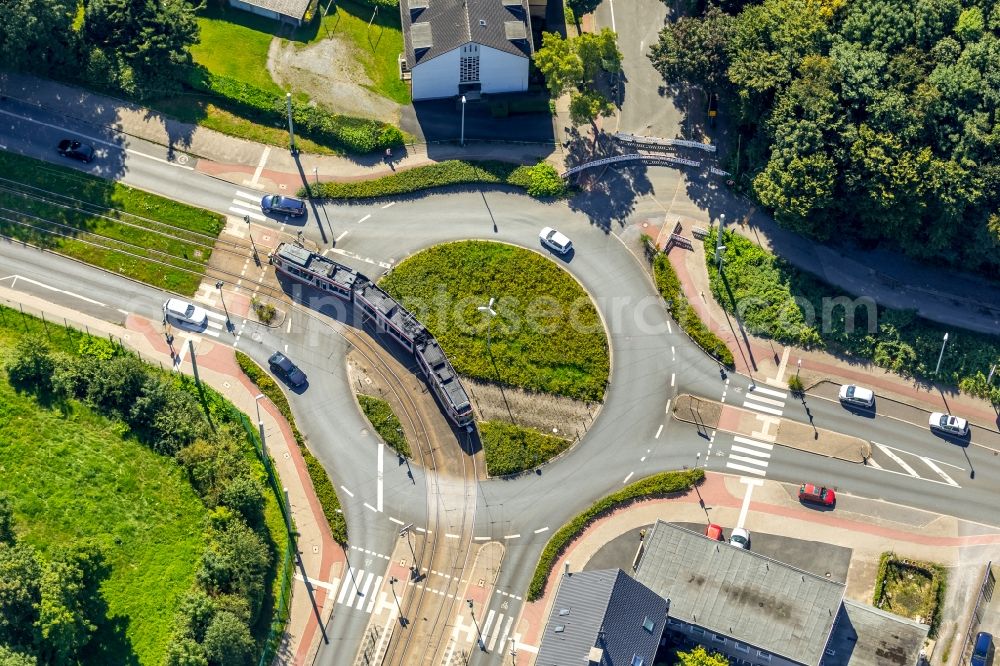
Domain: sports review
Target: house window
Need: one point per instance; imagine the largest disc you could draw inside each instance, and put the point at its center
(637, 660)
(741, 647)
(718, 638)
(763, 656)
(648, 624)
(698, 630)
(468, 66)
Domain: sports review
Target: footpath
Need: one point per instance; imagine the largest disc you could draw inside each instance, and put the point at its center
(318, 557)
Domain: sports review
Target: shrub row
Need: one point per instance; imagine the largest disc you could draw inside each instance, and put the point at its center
(352, 135)
(510, 448)
(669, 286)
(883, 571)
(322, 485)
(540, 180)
(777, 300)
(379, 413)
(658, 485)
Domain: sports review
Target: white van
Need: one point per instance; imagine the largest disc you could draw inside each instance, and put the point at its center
(857, 395)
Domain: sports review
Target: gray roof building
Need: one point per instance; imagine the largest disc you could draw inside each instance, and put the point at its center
(292, 10)
(740, 594)
(867, 636)
(602, 617)
(434, 27)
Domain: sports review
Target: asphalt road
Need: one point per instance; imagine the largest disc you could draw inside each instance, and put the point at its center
(632, 437)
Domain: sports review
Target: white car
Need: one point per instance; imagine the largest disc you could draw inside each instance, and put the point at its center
(184, 312)
(740, 538)
(555, 241)
(948, 424)
(857, 395)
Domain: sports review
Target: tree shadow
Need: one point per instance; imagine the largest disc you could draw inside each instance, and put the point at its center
(608, 193)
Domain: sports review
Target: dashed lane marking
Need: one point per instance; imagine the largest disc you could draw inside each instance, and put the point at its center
(344, 488)
(369, 506)
(364, 218)
(628, 477)
(658, 431)
(396, 520)
(389, 205)
(541, 529)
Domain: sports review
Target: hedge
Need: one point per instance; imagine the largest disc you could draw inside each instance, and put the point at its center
(510, 448)
(379, 413)
(540, 180)
(669, 286)
(353, 135)
(883, 570)
(322, 485)
(658, 485)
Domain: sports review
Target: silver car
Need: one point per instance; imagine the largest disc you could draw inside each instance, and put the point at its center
(740, 538)
(184, 312)
(948, 424)
(555, 241)
(857, 395)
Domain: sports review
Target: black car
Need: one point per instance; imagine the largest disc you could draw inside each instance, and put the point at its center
(76, 150)
(276, 203)
(283, 367)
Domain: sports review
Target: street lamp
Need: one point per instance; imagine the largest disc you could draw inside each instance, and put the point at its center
(392, 584)
(472, 612)
(260, 428)
(719, 247)
(405, 532)
(462, 142)
(229, 324)
(798, 368)
(513, 649)
(941, 355)
(491, 313)
(291, 128)
(256, 257)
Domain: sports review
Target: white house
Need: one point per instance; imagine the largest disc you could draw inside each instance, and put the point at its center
(465, 47)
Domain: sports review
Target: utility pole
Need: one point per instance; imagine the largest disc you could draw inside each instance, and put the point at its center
(194, 363)
(291, 128)
(491, 313)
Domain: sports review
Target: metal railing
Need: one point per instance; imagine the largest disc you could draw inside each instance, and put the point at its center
(657, 142)
(985, 595)
(653, 160)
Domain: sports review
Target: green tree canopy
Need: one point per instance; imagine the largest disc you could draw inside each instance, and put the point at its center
(701, 657)
(575, 65)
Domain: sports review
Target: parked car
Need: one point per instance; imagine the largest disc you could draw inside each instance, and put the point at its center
(817, 494)
(740, 538)
(982, 651)
(857, 395)
(283, 367)
(277, 203)
(555, 241)
(184, 312)
(948, 424)
(714, 532)
(76, 150)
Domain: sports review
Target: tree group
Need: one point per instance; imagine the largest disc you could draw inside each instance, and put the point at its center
(874, 120)
(577, 65)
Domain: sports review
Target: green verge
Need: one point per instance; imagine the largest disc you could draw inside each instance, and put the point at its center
(124, 220)
(219, 28)
(658, 485)
(322, 485)
(540, 180)
(379, 413)
(794, 307)
(669, 286)
(547, 336)
(510, 449)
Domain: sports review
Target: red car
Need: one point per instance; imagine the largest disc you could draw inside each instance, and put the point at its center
(817, 495)
(714, 531)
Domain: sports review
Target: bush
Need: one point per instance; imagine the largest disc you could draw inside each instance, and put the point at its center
(883, 570)
(795, 384)
(353, 135)
(32, 366)
(443, 174)
(265, 311)
(669, 286)
(379, 413)
(325, 492)
(510, 449)
(658, 485)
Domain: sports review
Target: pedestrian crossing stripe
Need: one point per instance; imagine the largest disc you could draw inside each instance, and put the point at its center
(767, 391)
(354, 590)
(762, 408)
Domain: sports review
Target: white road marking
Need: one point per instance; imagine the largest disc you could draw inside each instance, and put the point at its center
(381, 475)
(315, 582)
(249, 196)
(746, 500)
(541, 529)
(124, 312)
(55, 289)
(344, 233)
(753, 442)
(389, 205)
(744, 468)
(751, 461)
(658, 431)
(670, 328)
(288, 328)
(260, 166)
(750, 452)
(451, 536)
(396, 520)
(475, 538)
(512, 536)
(761, 408)
(767, 391)
(364, 218)
(667, 410)
(628, 477)
(673, 379)
(766, 401)
(254, 215)
(944, 477)
(352, 255)
(611, 5)
(344, 488)
(899, 461)
(369, 506)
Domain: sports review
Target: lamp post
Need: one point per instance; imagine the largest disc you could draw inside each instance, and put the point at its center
(291, 128)
(472, 612)
(260, 428)
(256, 257)
(513, 650)
(392, 584)
(491, 313)
(229, 324)
(798, 367)
(405, 532)
(719, 247)
(462, 142)
(941, 355)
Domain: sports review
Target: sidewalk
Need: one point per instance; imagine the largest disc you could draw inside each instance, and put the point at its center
(763, 358)
(909, 533)
(320, 558)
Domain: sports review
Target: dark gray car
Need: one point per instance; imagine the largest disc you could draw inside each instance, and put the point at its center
(283, 367)
(276, 203)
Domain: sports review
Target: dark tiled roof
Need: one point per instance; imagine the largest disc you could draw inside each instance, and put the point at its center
(453, 23)
(604, 609)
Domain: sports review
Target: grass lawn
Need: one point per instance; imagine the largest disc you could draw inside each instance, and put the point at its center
(233, 42)
(376, 48)
(511, 448)
(379, 413)
(547, 336)
(75, 477)
(104, 223)
(913, 589)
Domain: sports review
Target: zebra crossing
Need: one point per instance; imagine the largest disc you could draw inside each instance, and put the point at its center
(359, 589)
(765, 400)
(495, 630)
(247, 204)
(749, 456)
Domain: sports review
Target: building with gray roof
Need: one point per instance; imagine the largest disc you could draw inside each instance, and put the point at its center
(290, 11)
(602, 617)
(466, 47)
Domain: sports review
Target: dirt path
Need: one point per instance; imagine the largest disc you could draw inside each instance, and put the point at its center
(329, 73)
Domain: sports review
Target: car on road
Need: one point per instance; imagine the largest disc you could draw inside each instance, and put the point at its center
(76, 150)
(817, 494)
(555, 240)
(857, 395)
(982, 652)
(184, 312)
(283, 367)
(740, 538)
(277, 203)
(948, 424)
(714, 532)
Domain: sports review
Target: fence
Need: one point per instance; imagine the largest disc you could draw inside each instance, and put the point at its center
(656, 142)
(985, 595)
(655, 160)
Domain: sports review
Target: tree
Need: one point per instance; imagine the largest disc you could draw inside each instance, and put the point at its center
(598, 51)
(581, 7)
(228, 641)
(20, 578)
(236, 561)
(71, 603)
(7, 535)
(167, 416)
(195, 614)
(185, 651)
(31, 366)
(10, 657)
(700, 657)
(574, 65)
(970, 25)
(37, 35)
(692, 50)
(244, 495)
(585, 107)
(559, 63)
